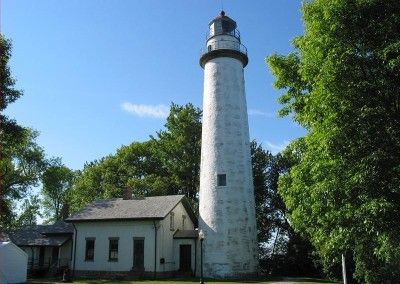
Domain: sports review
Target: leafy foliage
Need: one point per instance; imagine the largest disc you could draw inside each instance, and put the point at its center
(283, 252)
(178, 149)
(165, 164)
(341, 84)
(21, 159)
(57, 181)
(30, 210)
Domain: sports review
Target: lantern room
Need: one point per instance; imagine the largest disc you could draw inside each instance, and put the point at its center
(223, 25)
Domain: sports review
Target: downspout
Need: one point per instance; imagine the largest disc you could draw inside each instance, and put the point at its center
(73, 262)
(195, 257)
(32, 258)
(155, 249)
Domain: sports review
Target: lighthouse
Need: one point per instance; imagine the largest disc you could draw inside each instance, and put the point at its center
(227, 222)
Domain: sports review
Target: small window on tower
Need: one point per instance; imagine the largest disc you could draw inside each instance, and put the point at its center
(221, 180)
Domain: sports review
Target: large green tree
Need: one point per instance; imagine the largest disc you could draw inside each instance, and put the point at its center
(282, 250)
(133, 165)
(57, 182)
(21, 159)
(342, 85)
(167, 163)
(177, 147)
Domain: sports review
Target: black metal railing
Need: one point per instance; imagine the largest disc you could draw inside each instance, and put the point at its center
(234, 33)
(224, 44)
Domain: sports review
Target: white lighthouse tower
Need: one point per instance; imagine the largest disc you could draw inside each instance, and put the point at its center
(227, 210)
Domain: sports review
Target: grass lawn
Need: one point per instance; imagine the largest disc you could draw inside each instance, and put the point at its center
(301, 281)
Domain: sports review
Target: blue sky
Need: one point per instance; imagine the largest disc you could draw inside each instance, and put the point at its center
(99, 74)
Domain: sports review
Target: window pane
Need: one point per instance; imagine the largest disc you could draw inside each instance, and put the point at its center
(113, 250)
(89, 254)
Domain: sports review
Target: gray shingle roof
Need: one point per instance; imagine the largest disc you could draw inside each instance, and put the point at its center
(35, 235)
(59, 227)
(155, 207)
(186, 234)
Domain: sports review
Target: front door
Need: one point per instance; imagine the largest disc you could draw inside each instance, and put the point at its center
(185, 260)
(41, 256)
(54, 255)
(138, 254)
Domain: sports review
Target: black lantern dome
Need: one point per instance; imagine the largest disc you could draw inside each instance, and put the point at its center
(223, 25)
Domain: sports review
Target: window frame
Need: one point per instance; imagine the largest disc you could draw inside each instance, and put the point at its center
(112, 250)
(93, 240)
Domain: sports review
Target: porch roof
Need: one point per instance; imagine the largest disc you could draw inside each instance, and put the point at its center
(186, 234)
(33, 237)
(42, 235)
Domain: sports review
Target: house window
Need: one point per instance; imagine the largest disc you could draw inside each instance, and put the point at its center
(183, 222)
(171, 221)
(221, 180)
(113, 249)
(89, 251)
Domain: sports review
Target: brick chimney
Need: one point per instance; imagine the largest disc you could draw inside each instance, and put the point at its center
(127, 193)
(64, 211)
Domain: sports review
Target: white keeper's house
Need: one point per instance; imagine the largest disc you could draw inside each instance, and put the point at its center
(135, 237)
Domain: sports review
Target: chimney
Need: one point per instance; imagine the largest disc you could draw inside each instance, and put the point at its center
(65, 211)
(127, 193)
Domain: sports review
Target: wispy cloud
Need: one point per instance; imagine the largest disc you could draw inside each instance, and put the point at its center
(155, 111)
(260, 113)
(276, 148)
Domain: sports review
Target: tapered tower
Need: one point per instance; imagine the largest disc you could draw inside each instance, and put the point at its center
(227, 207)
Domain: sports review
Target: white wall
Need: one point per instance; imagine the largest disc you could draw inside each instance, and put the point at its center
(177, 244)
(35, 252)
(13, 264)
(102, 231)
(30, 251)
(126, 231)
(65, 253)
(223, 42)
(227, 213)
(166, 249)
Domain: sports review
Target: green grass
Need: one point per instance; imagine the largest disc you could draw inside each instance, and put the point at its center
(300, 281)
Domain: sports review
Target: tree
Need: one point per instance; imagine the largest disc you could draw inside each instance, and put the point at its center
(262, 163)
(57, 181)
(165, 164)
(21, 159)
(178, 149)
(341, 84)
(30, 210)
(282, 250)
(131, 165)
